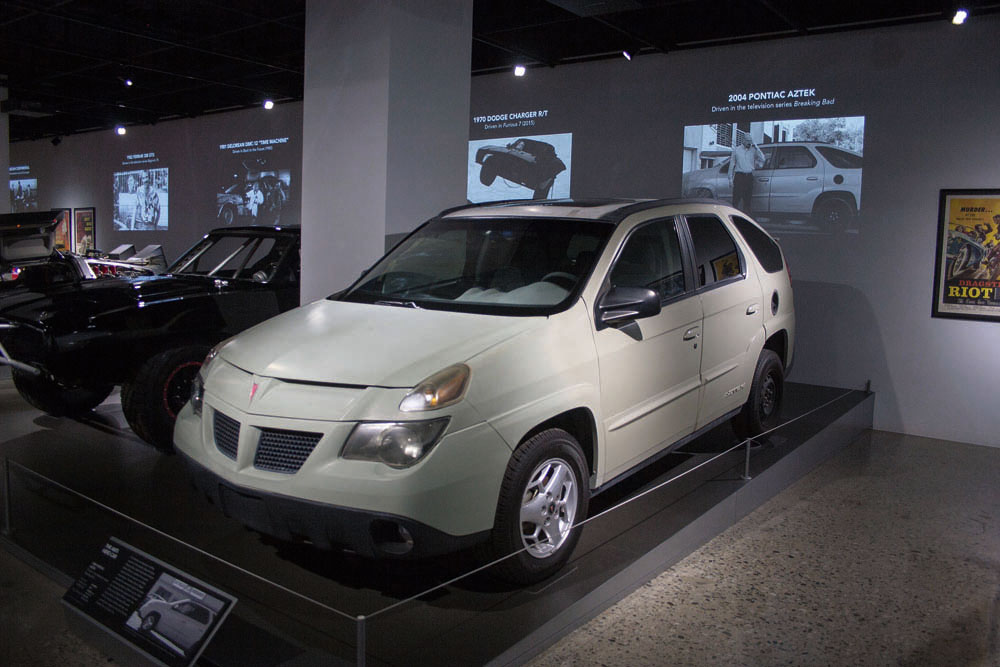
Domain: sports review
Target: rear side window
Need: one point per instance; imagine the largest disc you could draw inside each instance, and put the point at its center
(763, 246)
(840, 159)
(716, 256)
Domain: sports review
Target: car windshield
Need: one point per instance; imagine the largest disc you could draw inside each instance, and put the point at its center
(515, 266)
(234, 257)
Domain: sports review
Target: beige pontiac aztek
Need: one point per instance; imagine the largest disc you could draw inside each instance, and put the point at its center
(489, 374)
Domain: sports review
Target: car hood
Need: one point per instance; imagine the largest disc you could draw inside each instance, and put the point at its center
(367, 345)
(87, 298)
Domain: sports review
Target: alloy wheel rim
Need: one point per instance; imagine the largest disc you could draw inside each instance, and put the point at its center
(548, 507)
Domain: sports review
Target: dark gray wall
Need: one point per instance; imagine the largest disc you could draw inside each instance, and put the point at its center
(78, 172)
(930, 96)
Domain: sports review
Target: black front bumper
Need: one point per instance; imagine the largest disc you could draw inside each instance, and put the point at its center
(371, 534)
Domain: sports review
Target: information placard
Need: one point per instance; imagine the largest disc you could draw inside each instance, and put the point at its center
(167, 615)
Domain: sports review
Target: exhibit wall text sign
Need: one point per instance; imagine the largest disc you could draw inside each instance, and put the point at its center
(141, 194)
(167, 615)
(967, 270)
(84, 232)
(256, 183)
(23, 189)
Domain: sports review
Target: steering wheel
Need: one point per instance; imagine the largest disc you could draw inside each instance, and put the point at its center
(561, 279)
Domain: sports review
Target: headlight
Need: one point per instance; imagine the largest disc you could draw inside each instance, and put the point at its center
(198, 385)
(442, 389)
(197, 393)
(396, 444)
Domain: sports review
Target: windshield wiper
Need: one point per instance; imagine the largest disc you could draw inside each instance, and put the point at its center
(398, 304)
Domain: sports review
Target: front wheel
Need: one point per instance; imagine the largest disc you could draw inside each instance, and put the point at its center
(161, 387)
(150, 621)
(58, 399)
(543, 497)
(760, 412)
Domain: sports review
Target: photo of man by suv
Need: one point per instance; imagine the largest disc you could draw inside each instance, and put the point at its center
(746, 157)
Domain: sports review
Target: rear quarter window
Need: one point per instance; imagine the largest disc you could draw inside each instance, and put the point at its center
(764, 248)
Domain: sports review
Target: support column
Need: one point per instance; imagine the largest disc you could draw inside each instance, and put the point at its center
(4, 156)
(385, 128)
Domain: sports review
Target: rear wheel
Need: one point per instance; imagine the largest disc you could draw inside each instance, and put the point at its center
(834, 214)
(760, 412)
(58, 399)
(161, 387)
(543, 497)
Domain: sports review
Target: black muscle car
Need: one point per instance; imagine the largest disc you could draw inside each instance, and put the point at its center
(528, 162)
(70, 340)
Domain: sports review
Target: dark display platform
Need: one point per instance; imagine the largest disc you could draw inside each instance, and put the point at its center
(74, 484)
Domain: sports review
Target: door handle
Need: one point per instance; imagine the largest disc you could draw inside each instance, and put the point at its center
(692, 333)
(752, 310)
(763, 179)
(812, 178)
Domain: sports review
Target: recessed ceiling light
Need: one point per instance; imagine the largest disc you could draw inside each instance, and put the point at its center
(519, 70)
(960, 17)
(268, 104)
(120, 129)
(628, 56)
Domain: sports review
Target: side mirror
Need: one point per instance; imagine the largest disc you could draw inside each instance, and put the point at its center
(625, 304)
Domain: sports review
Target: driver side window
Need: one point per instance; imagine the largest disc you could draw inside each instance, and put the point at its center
(651, 258)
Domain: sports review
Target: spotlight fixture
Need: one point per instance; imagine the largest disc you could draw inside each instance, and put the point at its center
(268, 104)
(120, 129)
(519, 70)
(128, 82)
(628, 56)
(960, 16)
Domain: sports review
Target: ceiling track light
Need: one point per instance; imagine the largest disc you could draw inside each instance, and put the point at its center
(960, 16)
(628, 55)
(519, 70)
(268, 104)
(120, 130)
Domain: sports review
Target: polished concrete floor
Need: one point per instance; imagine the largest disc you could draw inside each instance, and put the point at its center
(886, 554)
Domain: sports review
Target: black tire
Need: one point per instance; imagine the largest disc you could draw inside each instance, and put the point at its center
(227, 215)
(57, 399)
(150, 621)
(488, 172)
(760, 412)
(161, 387)
(834, 214)
(553, 451)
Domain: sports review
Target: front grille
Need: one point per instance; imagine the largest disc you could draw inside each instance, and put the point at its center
(284, 451)
(227, 434)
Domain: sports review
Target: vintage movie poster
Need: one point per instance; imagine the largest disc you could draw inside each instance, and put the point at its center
(967, 275)
(61, 235)
(83, 230)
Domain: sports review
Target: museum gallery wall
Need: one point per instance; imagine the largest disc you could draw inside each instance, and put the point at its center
(911, 108)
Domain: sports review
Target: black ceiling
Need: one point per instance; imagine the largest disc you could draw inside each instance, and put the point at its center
(65, 62)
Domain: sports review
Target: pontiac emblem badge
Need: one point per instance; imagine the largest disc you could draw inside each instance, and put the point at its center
(253, 391)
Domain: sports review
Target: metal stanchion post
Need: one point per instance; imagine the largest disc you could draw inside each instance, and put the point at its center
(746, 465)
(361, 642)
(7, 528)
